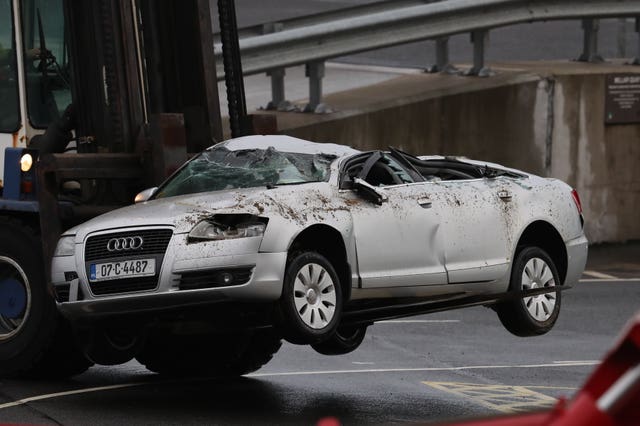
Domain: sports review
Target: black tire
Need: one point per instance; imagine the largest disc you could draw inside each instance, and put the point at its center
(64, 357)
(514, 315)
(38, 342)
(223, 355)
(309, 313)
(110, 347)
(346, 339)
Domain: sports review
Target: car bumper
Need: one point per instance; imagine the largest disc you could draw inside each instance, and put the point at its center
(576, 259)
(264, 285)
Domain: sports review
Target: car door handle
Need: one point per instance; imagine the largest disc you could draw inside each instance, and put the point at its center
(504, 195)
(425, 203)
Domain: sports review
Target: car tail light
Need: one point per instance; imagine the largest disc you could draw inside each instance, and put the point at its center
(576, 199)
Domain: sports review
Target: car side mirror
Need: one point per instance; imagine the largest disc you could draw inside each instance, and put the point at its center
(145, 195)
(369, 191)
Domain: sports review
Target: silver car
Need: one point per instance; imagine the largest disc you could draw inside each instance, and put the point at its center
(264, 237)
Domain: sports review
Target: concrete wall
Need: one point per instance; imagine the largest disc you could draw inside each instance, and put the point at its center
(602, 161)
(552, 125)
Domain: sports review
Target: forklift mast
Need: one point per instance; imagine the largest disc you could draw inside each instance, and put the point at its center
(134, 62)
(133, 83)
(145, 95)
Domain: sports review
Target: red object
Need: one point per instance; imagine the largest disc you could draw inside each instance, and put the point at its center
(27, 187)
(328, 421)
(617, 378)
(576, 199)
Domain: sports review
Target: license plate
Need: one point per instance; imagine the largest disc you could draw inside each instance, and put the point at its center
(123, 269)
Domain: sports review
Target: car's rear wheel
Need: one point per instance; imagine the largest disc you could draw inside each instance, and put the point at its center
(311, 301)
(346, 339)
(217, 355)
(534, 315)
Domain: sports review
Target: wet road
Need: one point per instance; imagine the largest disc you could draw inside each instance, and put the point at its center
(423, 369)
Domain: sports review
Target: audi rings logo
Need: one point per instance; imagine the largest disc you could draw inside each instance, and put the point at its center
(126, 243)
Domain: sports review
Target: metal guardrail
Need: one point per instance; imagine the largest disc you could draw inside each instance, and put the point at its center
(323, 17)
(402, 23)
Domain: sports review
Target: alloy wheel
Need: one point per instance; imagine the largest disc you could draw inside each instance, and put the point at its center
(15, 300)
(537, 274)
(314, 295)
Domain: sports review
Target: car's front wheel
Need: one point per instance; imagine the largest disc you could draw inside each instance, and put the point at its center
(533, 268)
(311, 301)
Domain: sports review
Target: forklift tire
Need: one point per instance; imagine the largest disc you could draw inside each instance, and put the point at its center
(35, 341)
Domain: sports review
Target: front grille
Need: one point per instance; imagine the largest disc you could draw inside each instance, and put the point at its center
(154, 246)
(62, 292)
(213, 278)
(155, 242)
(127, 285)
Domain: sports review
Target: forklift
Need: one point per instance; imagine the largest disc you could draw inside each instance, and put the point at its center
(99, 99)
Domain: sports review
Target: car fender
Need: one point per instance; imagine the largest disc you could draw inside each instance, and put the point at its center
(292, 212)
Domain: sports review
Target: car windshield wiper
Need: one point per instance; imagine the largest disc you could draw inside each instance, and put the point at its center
(277, 184)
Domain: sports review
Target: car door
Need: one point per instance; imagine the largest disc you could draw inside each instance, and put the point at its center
(398, 242)
(476, 227)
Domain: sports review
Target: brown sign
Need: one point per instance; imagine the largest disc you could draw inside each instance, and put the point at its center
(622, 99)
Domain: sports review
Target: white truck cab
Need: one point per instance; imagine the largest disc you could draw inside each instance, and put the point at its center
(34, 70)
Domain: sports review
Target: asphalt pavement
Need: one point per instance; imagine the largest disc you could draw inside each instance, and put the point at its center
(429, 368)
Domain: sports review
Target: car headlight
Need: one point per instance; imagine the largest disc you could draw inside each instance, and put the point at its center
(224, 227)
(66, 246)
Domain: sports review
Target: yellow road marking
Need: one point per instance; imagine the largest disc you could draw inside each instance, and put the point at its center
(506, 399)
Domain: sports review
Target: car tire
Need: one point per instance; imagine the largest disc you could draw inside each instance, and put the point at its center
(311, 303)
(222, 355)
(346, 339)
(531, 316)
(35, 342)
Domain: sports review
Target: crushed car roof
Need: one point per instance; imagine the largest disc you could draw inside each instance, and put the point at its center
(287, 144)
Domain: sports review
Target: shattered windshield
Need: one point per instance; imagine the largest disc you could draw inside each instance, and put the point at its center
(219, 169)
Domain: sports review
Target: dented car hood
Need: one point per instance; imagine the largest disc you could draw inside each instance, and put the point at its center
(182, 212)
(313, 202)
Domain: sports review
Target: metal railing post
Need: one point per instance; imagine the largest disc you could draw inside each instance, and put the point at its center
(276, 75)
(480, 39)
(636, 59)
(621, 38)
(442, 58)
(277, 88)
(590, 53)
(315, 72)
